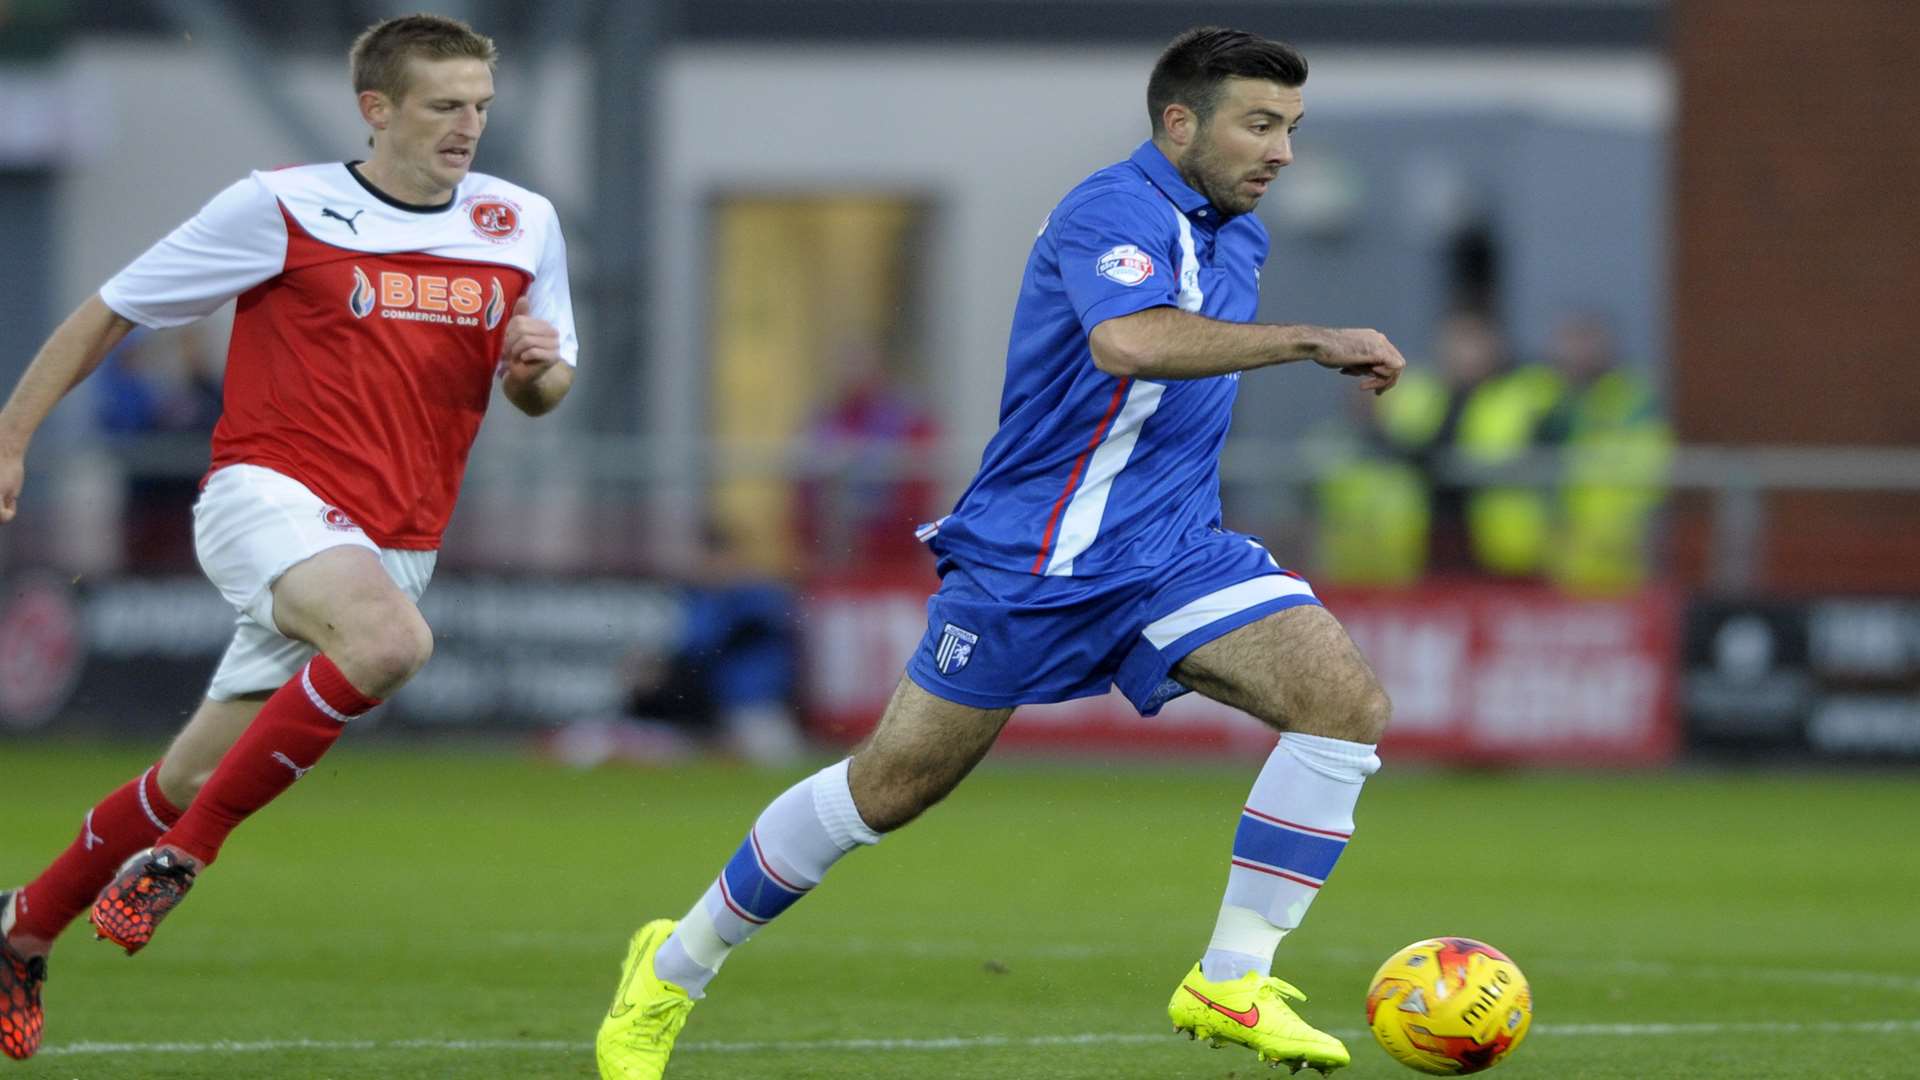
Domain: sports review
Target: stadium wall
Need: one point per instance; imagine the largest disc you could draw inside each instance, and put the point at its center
(1796, 249)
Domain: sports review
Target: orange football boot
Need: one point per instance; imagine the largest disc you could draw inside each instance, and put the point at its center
(148, 886)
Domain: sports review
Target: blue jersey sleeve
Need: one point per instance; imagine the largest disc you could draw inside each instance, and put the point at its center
(1115, 255)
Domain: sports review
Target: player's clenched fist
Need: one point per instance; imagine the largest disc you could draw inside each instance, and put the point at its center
(1365, 354)
(533, 344)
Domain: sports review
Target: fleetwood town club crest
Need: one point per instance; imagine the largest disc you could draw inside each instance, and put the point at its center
(956, 648)
(336, 519)
(493, 218)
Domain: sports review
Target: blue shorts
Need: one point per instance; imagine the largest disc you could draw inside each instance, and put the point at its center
(998, 638)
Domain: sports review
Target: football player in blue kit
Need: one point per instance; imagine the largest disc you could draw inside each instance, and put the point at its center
(1089, 553)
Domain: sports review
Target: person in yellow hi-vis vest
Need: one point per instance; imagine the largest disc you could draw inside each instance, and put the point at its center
(1482, 410)
(1617, 448)
(1510, 527)
(1388, 511)
(1388, 498)
(1371, 518)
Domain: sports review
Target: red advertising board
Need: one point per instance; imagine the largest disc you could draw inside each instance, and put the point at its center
(1477, 673)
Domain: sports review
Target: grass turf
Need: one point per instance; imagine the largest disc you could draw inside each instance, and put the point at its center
(411, 914)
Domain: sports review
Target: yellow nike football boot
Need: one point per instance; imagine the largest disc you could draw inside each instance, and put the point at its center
(1252, 1011)
(637, 1036)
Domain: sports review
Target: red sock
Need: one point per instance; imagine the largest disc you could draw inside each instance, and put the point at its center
(294, 729)
(125, 822)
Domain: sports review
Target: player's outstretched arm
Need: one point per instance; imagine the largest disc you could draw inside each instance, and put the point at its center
(69, 356)
(1167, 343)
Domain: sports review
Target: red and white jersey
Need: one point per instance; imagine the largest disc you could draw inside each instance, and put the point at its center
(368, 333)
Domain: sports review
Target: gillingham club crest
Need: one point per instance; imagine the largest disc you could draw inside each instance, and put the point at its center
(956, 648)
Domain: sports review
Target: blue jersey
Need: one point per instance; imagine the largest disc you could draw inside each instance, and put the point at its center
(1090, 472)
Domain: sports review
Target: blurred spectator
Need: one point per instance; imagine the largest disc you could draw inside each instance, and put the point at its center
(1372, 514)
(160, 383)
(726, 685)
(1589, 532)
(1617, 447)
(1480, 410)
(871, 447)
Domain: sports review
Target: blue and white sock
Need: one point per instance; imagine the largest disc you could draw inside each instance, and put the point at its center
(789, 849)
(1296, 823)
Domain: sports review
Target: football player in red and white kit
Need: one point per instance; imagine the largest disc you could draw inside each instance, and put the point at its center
(379, 301)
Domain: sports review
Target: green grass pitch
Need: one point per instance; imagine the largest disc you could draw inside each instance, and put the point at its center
(411, 914)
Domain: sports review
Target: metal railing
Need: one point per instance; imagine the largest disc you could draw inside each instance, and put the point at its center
(675, 479)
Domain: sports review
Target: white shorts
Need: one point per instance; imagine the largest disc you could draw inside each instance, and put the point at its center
(251, 525)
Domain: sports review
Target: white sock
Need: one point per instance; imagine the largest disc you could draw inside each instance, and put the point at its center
(1295, 825)
(786, 853)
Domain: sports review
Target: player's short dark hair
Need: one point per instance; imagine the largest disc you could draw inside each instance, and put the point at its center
(379, 55)
(1192, 68)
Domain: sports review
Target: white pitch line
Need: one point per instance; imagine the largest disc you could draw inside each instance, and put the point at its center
(1749, 1027)
(1869, 979)
(967, 1042)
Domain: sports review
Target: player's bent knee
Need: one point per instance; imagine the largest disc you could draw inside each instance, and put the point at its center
(383, 657)
(1356, 709)
(920, 751)
(1372, 713)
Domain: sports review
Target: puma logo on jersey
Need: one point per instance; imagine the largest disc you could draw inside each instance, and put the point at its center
(328, 211)
(456, 301)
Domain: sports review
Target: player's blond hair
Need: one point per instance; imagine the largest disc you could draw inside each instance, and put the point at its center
(379, 55)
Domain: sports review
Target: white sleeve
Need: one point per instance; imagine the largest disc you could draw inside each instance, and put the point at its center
(550, 295)
(235, 242)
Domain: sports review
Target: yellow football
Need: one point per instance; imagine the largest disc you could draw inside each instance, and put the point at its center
(1449, 1006)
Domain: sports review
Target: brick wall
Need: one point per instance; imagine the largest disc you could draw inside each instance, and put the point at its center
(1797, 262)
